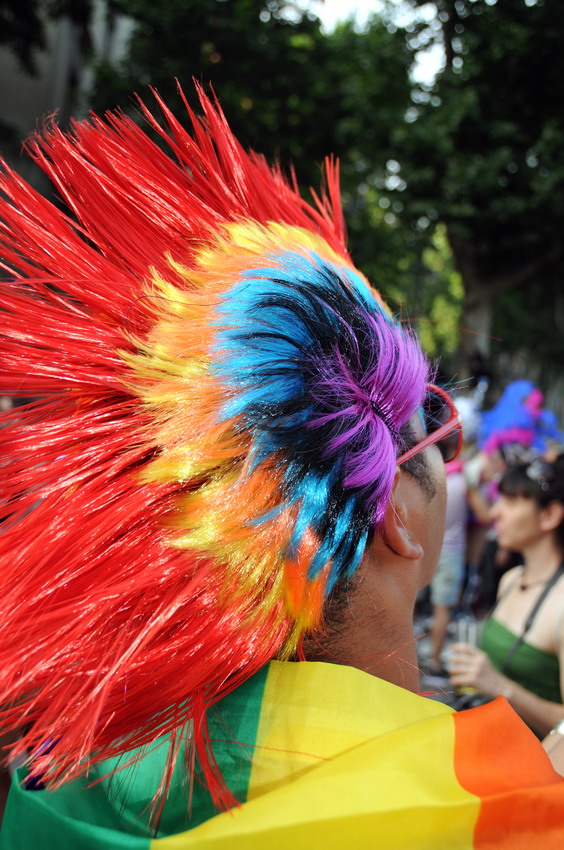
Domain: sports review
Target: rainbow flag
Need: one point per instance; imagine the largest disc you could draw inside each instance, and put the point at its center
(320, 756)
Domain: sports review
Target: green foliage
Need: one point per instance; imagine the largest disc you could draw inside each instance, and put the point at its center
(23, 22)
(288, 89)
(488, 136)
(453, 190)
(440, 334)
(292, 92)
(483, 153)
(22, 30)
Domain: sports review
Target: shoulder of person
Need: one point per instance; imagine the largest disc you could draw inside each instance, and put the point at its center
(556, 595)
(507, 579)
(559, 630)
(553, 615)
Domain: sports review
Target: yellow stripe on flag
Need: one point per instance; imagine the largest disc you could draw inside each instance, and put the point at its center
(345, 760)
(313, 711)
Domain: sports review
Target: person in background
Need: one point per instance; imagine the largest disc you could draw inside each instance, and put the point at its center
(463, 499)
(207, 616)
(521, 655)
(446, 583)
(515, 430)
(476, 472)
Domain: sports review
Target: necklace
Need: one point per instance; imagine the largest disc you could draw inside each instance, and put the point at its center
(523, 585)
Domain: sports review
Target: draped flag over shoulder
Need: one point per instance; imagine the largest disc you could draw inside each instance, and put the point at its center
(322, 755)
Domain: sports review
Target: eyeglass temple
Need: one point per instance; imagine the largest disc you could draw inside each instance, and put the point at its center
(450, 425)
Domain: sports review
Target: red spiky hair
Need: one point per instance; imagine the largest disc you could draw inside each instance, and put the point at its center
(112, 635)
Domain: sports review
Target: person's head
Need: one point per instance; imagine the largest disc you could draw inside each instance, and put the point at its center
(531, 504)
(233, 415)
(303, 396)
(284, 400)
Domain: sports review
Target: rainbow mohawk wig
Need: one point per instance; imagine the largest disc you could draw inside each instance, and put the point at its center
(222, 396)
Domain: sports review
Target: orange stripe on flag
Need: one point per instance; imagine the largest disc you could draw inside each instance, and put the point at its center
(499, 759)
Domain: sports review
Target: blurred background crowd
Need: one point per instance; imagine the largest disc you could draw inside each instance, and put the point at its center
(511, 459)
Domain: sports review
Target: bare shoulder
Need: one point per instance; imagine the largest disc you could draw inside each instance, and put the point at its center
(507, 579)
(554, 616)
(559, 586)
(556, 595)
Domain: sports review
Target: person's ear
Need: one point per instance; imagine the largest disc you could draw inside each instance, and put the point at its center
(552, 515)
(395, 527)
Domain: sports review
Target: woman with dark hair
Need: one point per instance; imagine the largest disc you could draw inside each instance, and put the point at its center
(521, 655)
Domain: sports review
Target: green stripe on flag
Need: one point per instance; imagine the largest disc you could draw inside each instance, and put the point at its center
(114, 814)
(33, 821)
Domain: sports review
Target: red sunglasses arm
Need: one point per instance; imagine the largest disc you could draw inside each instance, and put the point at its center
(446, 429)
